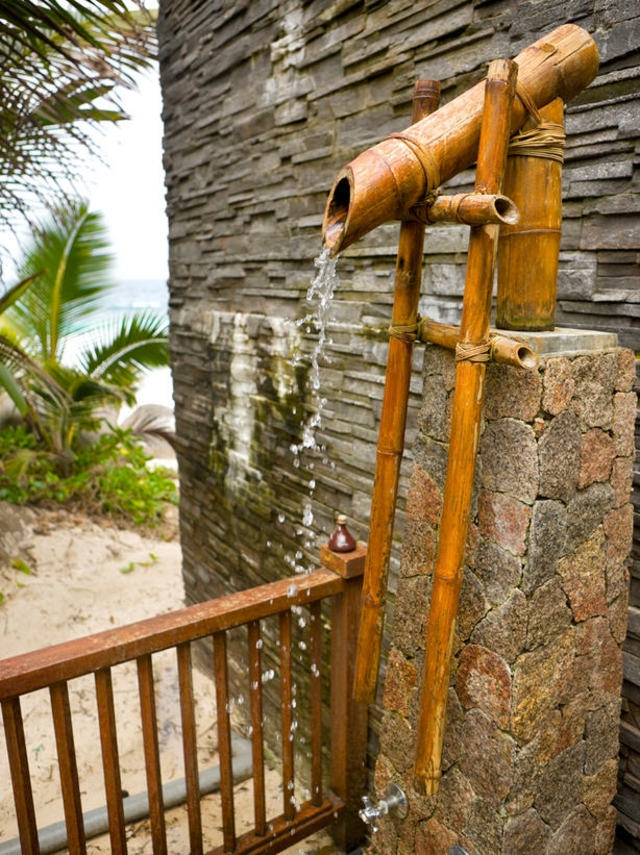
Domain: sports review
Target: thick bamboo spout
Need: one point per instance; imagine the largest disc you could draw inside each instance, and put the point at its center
(385, 182)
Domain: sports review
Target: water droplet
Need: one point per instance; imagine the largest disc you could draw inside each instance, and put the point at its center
(307, 515)
(281, 518)
(259, 644)
(292, 591)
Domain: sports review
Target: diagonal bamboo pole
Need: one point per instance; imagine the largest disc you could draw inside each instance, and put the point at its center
(408, 278)
(465, 429)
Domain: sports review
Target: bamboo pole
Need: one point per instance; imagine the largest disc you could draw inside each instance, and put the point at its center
(504, 349)
(529, 251)
(408, 278)
(385, 182)
(472, 209)
(465, 429)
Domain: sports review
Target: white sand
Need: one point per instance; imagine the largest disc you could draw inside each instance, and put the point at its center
(84, 578)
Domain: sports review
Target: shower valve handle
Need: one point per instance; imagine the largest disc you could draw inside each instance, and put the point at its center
(393, 801)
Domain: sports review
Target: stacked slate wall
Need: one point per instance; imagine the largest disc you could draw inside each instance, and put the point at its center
(264, 102)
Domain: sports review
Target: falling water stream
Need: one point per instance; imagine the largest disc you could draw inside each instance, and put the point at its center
(320, 299)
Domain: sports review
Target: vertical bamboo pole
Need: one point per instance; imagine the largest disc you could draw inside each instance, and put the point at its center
(408, 278)
(465, 429)
(528, 256)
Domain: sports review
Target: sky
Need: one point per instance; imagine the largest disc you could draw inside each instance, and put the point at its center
(126, 185)
(129, 188)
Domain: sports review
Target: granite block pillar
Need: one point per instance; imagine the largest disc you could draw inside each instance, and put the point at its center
(531, 742)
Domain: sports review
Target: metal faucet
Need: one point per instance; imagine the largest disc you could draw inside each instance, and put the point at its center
(393, 801)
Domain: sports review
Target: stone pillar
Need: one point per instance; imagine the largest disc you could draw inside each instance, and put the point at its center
(531, 743)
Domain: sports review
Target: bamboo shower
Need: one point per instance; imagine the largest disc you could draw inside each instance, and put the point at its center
(519, 105)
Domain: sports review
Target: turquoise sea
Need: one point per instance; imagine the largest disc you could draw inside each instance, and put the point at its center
(141, 295)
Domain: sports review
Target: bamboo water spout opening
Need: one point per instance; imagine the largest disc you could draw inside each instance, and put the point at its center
(386, 181)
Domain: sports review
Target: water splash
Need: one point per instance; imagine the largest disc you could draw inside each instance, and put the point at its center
(320, 296)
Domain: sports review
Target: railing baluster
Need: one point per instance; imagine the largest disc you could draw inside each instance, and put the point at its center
(315, 697)
(152, 754)
(221, 677)
(286, 715)
(68, 768)
(190, 748)
(257, 747)
(20, 778)
(110, 761)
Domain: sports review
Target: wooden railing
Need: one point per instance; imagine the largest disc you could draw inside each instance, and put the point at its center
(335, 806)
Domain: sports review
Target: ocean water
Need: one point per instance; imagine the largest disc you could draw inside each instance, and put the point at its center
(139, 295)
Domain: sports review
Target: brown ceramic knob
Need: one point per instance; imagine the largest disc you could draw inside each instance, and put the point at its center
(341, 539)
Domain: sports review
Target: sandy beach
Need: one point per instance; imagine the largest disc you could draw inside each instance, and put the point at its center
(64, 576)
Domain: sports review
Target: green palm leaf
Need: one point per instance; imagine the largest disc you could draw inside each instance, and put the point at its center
(60, 64)
(122, 351)
(70, 249)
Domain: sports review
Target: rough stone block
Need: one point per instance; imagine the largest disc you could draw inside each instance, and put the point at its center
(559, 450)
(509, 455)
(512, 393)
(546, 543)
(582, 578)
(558, 385)
(596, 457)
(484, 681)
(525, 833)
(504, 520)
(497, 570)
(504, 628)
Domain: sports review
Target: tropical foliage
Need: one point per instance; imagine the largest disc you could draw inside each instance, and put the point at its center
(62, 65)
(109, 476)
(61, 366)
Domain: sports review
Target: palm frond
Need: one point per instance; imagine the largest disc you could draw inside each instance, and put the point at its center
(70, 250)
(58, 63)
(126, 348)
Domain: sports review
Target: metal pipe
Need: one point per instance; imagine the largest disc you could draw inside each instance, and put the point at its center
(53, 838)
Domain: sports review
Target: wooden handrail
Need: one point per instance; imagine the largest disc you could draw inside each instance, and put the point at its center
(61, 662)
(98, 653)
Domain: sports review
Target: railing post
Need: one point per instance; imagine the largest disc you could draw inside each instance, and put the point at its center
(348, 716)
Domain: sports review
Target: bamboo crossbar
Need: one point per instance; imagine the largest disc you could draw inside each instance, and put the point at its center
(471, 209)
(503, 349)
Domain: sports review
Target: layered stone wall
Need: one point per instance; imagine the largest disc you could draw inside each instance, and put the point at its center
(264, 101)
(531, 742)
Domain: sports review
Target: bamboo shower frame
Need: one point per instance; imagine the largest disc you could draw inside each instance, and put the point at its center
(395, 180)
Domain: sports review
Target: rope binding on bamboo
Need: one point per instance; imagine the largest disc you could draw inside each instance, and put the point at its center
(546, 139)
(407, 333)
(466, 352)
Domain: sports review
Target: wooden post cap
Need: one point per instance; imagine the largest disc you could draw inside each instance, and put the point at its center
(345, 564)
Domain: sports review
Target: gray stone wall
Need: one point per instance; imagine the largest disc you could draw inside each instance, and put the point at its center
(264, 102)
(531, 741)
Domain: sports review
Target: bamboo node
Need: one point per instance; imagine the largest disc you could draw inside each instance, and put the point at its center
(406, 332)
(425, 158)
(466, 352)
